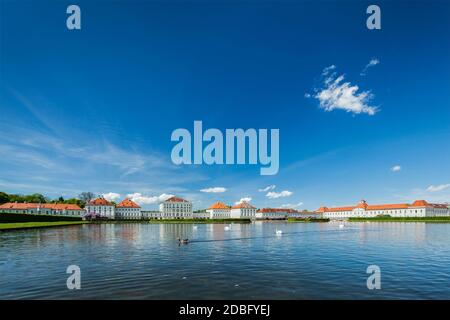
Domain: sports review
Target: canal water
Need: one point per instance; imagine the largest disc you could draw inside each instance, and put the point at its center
(248, 261)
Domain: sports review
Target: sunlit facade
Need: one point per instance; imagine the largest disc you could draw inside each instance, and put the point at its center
(176, 208)
(419, 208)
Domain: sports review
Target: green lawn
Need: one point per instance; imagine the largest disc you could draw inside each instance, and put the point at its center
(26, 225)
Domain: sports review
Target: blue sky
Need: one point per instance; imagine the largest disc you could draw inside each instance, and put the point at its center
(93, 109)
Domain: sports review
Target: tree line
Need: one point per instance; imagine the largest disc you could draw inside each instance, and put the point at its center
(81, 200)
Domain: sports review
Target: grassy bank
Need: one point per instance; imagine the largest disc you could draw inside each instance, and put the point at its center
(308, 220)
(25, 217)
(28, 225)
(405, 219)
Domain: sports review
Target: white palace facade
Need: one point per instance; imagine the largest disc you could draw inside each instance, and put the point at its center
(419, 208)
(219, 210)
(243, 210)
(128, 210)
(55, 209)
(101, 207)
(176, 208)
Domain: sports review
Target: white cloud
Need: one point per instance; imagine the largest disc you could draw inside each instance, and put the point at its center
(327, 70)
(246, 199)
(289, 205)
(337, 94)
(141, 199)
(276, 195)
(271, 187)
(438, 188)
(396, 168)
(372, 62)
(111, 196)
(214, 190)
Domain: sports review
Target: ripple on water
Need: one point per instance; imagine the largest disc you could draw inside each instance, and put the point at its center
(309, 261)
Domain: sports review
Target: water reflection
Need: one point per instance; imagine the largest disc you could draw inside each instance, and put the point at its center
(309, 260)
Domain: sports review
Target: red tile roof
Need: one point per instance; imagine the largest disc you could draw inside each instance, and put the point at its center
(127, 203)
(19, 206)
(243, 205)
(175, 199)
(423, 203)
(218, 205)
(52, 206)
(272, 210)
(100, 202)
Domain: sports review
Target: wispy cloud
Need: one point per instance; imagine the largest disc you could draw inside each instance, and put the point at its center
(438, 193)
(439, 187)
(276, 195)
(289, 205)
(245, 199)
(373, 62)
(142, 199)
(396, 168)
(214, 190)
(271, 187)
(111, 196)
(334, 94)
(94, 165)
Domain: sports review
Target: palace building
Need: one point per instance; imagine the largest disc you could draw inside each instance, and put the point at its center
(219, 211)
(128, 209)
(273, 213)
(419, 208)
(176, 208)
(101, 207)
(57, 209)
(243, 210)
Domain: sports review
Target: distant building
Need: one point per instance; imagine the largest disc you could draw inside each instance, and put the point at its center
(176, 208)
(148, 214)
(284, 213)
(201, 214)
(304, 214)
(243, 210)
(128, 209)
(419, 208)
(57, 209)
(219, 211)
(272, 213)
(101, 207)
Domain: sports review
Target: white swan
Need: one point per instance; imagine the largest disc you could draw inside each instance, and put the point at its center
(341, 226)
(195, 227)
(278, 232)
(227, 228)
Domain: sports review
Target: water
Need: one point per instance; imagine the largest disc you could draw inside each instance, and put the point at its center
(309, 261)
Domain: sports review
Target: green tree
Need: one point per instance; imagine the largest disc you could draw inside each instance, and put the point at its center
(4, 197)
(36, 198)
(86, 196)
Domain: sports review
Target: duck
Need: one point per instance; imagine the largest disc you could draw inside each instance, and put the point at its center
(183, 241)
